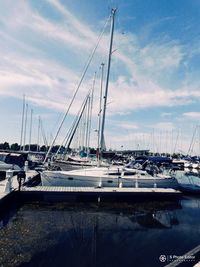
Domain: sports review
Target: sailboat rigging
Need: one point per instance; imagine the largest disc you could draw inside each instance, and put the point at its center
(103, 176)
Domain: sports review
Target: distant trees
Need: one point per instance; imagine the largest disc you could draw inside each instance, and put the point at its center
(15, 147)
(44, 148)
(33, 147)
(5, 146)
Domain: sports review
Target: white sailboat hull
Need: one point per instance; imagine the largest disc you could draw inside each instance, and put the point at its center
(95, 178)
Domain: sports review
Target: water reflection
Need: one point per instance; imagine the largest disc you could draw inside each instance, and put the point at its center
(85, 234)
(158, 220)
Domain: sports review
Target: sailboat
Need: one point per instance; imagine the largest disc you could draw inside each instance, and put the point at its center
(112, 176)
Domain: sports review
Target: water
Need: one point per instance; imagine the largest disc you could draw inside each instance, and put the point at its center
(85, 234)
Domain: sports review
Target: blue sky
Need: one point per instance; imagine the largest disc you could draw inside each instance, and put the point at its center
(154, 92)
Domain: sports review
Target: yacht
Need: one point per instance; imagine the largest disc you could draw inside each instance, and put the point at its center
(107, 177)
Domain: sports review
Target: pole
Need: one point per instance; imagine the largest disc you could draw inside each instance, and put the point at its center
(38, 136)
(107, 77)
(87, 126)
(22, 126)
(25, 126)
(30, 133)
(90, 112)
(100, 109)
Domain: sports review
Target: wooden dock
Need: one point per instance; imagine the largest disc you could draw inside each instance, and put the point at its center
(84, 193)
(102, 189)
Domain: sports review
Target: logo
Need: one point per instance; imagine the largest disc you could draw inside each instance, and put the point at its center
(171, 258)
(162, 258)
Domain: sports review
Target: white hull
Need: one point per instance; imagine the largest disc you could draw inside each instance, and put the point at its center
(195, 165)
(4, 167)
(101, 177)
(192, 165)
(187, 165)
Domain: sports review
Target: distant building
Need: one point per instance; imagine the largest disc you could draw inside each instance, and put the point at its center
(135, 153)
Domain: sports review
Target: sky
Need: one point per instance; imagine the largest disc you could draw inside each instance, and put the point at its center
(154, 85)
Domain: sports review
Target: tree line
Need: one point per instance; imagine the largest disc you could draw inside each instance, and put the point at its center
(33, 147)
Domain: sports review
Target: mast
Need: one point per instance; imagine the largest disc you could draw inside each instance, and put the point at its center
(38, 135)
(25, 126)
(30, 133)
(87, 124)
(90, 113)
(100, 109)
(43, 133)
(71, 130)
(77, 123)
(113, 11)
(22, 126)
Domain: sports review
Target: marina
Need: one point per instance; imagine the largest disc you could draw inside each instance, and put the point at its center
(11, 185)
(99, 140)
(153, 208)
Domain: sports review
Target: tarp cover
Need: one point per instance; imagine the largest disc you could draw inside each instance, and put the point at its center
(12, 158)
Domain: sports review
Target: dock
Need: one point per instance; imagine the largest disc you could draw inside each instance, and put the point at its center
(50, 193)
(59, 193)
(6, 189)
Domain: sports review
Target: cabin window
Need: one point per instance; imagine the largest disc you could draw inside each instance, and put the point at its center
(110, 181)
(129, 173)
(70, 178)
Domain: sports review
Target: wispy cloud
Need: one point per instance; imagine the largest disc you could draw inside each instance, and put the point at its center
(79, 27)
(192, 115)
(166, 114)
(128, 125)
(142, 75)
(162, 56)
(164, 126)
(148, 95)
(18, 74)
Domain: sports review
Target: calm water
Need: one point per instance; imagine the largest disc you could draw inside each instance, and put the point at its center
(85, 234)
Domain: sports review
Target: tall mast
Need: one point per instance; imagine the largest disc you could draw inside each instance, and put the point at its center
(30, 133)
(90, 112)
(38, 135)
(22, 126)
(107, 77)
(77, 122)
(100, 110)
(25, 124)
